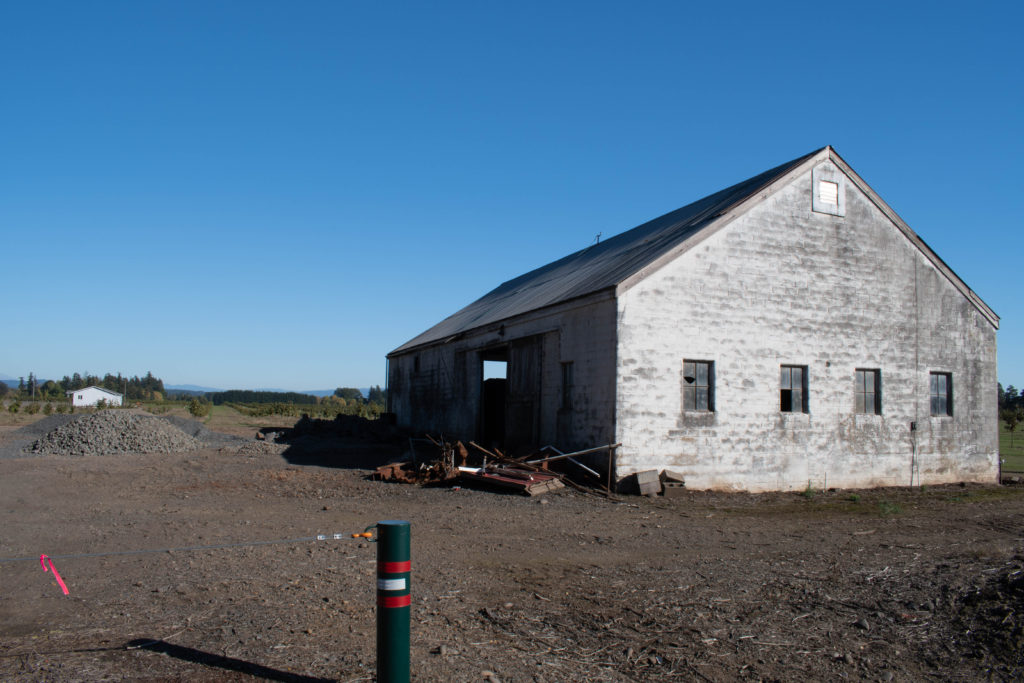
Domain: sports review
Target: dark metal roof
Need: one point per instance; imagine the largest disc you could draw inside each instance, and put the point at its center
(600, 266)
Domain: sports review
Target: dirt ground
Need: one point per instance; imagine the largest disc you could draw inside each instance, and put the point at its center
(888, 585)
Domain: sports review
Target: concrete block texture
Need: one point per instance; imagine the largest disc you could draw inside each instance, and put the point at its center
(438, 388)
(784, 285)
(791, 339)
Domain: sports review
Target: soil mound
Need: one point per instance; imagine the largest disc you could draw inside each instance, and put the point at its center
(111, 432)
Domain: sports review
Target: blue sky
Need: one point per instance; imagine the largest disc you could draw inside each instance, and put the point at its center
(253, 194)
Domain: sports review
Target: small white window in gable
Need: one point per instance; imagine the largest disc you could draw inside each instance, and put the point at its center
(828, 190)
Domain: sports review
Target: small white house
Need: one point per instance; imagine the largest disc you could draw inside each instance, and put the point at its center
(90, 396)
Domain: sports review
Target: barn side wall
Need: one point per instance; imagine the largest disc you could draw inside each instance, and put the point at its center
(784, 285)
(437, 389)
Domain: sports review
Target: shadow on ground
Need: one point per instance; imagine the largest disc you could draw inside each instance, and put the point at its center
(189, 654)
(348, 441)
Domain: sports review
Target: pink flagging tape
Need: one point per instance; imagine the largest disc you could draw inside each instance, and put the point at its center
(43, 559)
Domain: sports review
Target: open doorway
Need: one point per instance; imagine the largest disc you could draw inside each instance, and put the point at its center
(510, 396)
(495, 388)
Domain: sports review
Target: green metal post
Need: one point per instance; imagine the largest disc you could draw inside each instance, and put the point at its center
(393, 601)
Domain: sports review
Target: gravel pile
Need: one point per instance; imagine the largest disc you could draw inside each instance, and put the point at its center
(109, 431)
(15, 444)
(261, 448)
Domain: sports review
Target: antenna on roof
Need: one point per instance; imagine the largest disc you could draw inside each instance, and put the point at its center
(597, 240)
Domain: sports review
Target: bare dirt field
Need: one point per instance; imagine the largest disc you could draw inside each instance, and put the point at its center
(888, 585)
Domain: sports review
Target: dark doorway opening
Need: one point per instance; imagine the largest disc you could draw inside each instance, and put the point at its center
(522, 409)
(494, 364)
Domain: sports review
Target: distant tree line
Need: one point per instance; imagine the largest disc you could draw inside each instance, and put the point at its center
(1011, 408)
(1010, 398)
(245, 396)
(375, 395)
(343, 396)
(344, 401)
(148, 388)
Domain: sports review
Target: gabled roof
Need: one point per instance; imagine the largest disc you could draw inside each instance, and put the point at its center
(105, 391)
(627, 258)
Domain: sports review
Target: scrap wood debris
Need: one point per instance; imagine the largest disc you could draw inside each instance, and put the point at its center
(517, 479)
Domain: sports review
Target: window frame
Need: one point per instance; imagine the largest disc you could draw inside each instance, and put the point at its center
(860, 404)
(786, 385)
(829, 174)
(691, 394)
(945, 395)
(568, 382)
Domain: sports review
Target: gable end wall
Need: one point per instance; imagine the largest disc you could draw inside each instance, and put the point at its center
(786, 285)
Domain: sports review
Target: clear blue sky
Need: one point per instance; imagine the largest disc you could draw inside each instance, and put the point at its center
(276, 194)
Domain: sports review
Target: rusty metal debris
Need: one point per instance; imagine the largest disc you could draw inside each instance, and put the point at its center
(436, 461)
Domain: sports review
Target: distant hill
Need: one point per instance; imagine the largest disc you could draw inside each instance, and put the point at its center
(319, 392)
(311, 392)
(189, 389)
(178, 393)
(327, 392)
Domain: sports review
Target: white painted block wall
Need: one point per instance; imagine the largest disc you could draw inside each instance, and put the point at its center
(786, 285)
(90, 396)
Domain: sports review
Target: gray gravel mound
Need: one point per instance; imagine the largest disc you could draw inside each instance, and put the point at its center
(261, 448)
(16, 442)
(46, 425)
(109, 432)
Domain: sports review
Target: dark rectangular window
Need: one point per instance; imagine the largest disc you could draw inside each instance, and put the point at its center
(698, 385)
(793, 389)
(567, 384)
(941, 389)
(869, 391)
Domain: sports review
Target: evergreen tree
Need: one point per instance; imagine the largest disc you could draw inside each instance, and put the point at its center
(1012, 417)
(1010, 397)
(49, 388)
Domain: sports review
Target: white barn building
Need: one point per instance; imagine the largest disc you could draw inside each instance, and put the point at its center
(90, 396)
(790, 330)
